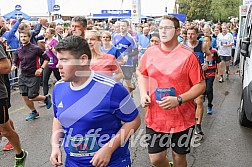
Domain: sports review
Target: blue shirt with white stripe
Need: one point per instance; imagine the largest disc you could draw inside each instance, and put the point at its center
(125, 44)
(91, 115)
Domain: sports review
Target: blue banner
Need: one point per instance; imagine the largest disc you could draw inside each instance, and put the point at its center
(121, 13)
(181, 17)
(50, 4)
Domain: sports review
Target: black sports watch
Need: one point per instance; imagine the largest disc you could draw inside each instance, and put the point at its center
(180, 101)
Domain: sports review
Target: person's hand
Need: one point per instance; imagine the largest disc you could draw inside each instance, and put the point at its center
(168, 102)
(48, 46)
(56, 157)
(13, 68)
(125, 58)
(145, 101)
(140, 48)
(65, 34)
(21, 19)
(38, 72)
(101, 157)
(204, 66)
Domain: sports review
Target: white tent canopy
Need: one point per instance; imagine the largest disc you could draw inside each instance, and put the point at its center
(87, 7)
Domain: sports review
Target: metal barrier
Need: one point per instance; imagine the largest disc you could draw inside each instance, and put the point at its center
(13, 75)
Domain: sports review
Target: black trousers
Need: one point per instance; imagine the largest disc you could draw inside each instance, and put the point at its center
(209, 90)
(46, 75)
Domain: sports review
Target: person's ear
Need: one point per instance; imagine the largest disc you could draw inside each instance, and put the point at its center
(178, 30)
(84, 59)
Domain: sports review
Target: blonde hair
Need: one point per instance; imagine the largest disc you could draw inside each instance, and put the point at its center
(207, 28)
(96, 33)
(108, 34)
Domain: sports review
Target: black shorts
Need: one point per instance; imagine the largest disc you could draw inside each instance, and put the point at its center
(179, 142)
(127, 72)
(4, 114)
(29, 86)
(218, 59)
(225, 58)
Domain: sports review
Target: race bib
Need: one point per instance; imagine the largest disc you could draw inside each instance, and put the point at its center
(163, 92)
(83, 146)
(51, 60)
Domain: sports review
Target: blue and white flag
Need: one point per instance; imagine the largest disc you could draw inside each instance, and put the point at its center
(50, 4)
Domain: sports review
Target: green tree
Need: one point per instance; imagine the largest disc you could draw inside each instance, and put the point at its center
(209, 9)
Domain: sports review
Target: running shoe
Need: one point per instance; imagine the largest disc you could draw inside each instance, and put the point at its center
(221, 79)
(48, 102)
(20, 162)
(32, 116)
(209, 110)
(8, 147)
(198, 129)
(227, 75)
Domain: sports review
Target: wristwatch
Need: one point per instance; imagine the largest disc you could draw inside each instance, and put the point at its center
(180, 101)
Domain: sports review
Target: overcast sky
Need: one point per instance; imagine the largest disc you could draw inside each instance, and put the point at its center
(85, 7)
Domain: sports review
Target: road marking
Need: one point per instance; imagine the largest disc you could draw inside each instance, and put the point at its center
(16, 110)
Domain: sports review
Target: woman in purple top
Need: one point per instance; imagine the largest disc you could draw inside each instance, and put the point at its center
(50, 44)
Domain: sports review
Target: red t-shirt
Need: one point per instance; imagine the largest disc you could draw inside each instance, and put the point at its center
(179, 68)
(106, 65)
(211, 70)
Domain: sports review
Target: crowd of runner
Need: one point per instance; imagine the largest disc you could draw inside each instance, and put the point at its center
(176, 61)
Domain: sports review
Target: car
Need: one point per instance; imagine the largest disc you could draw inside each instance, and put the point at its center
(245, 54)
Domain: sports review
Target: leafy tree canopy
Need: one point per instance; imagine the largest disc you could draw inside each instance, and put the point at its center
(216, 10)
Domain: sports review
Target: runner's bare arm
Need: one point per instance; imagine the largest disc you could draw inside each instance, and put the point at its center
(57, 137)
(195, 91)
(207, 51)
(118, 73)
(102, 157)
(5, 66)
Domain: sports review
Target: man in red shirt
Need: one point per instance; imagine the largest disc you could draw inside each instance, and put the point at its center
(171, 78)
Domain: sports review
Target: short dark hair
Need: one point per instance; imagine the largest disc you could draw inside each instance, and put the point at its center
(22, 26)
(77, 46)
(125, 21)
(154, 34)
(208, 36)
(80, 19)
(194, 28)
(174, 19)
(184, 32)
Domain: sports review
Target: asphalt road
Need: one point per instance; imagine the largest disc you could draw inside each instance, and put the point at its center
(225, 143)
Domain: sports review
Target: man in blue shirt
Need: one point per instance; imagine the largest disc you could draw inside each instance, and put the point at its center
(10, 36)
(89, 113)
(128, 49)
(144, 41)
(207, 32)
